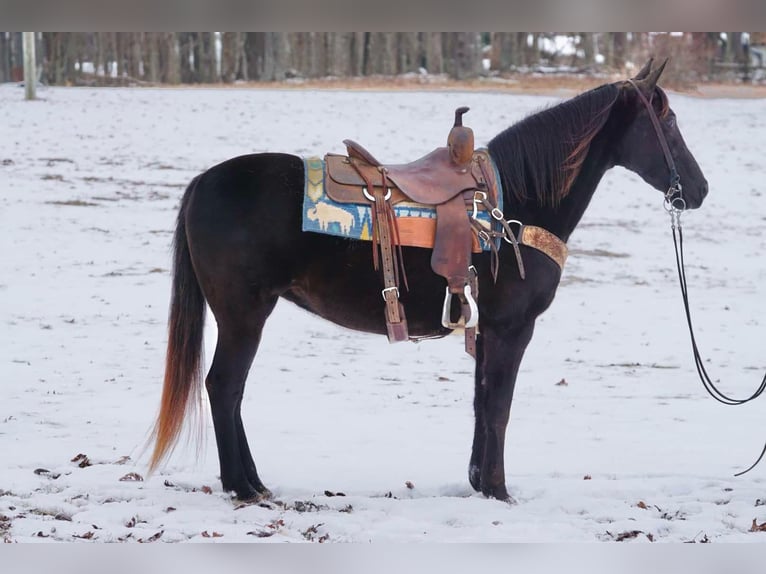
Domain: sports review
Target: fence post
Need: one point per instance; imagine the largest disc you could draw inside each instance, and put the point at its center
(30, 74)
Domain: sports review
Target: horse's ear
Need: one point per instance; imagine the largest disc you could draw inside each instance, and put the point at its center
(655, 74)
(648, 83)
(644, 71)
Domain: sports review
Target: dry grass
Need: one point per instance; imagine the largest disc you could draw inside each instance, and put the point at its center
(556, 85)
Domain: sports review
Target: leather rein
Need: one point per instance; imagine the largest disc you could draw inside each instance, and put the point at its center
(675, 205)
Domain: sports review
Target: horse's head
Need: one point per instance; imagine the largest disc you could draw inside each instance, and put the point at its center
(653, 146)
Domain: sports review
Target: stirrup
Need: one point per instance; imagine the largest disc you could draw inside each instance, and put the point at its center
(473, 318)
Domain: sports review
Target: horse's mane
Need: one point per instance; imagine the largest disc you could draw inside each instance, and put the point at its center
(541, 156)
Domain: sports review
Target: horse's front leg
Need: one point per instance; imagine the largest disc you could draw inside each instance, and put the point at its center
(499, 352)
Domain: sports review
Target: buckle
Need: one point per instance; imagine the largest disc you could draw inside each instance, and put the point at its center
(388, 289)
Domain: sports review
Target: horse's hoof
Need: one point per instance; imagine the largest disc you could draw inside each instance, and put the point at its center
(499, 493)
(252, 495)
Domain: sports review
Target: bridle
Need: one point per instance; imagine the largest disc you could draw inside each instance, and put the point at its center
(673, 202)
(675, 206)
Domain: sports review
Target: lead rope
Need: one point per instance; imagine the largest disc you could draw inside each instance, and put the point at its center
(675, 205)
(710, 387)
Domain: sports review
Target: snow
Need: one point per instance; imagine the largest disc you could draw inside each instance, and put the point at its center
(90, 181)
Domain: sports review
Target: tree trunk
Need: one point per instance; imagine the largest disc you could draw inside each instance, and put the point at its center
(434, 56)
(358, 46)
(171, 70)
(188, 59)
(504, 51)
(466, 55)
(382, 53)
(409, 52)
(5, 60)
(229, 53)
(735, 47)
(152, 52)
(204, 57)
(618, 55)
(588, 44)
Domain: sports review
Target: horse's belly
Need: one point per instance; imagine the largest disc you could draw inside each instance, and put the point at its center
(346, 289)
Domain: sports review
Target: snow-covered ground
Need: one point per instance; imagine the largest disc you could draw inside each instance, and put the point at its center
(631, 448)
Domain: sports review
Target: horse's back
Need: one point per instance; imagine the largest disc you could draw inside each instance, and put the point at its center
(243, 225)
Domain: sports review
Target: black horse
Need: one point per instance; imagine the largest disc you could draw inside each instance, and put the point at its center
(239, 247)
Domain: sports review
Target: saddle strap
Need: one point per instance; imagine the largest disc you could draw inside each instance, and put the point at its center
(470, 334)
(386, 238)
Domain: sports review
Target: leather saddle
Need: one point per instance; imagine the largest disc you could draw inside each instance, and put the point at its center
(448, 178)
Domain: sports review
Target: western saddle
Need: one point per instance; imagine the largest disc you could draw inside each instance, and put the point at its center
(454, 180)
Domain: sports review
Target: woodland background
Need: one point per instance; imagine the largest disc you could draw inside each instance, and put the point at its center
(136, 58)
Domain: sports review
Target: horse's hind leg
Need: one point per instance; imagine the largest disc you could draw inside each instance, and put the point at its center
(238, 339)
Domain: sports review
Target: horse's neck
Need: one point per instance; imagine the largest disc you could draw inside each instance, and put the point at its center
(563, 218)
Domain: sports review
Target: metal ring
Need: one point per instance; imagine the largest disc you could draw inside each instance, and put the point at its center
(675, 204)
(681, 203)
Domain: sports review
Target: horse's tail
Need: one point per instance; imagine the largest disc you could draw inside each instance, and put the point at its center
(182, 388)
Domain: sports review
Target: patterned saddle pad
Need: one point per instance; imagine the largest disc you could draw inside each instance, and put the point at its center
(416, 222)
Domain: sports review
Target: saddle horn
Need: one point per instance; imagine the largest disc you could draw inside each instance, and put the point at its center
(460, 140)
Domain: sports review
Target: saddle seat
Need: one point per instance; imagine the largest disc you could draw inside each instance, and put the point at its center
(430, 180)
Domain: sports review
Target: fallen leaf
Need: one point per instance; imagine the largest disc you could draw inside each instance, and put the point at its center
(758, 527)
(627, 535)
(82, 460)
(641, 504)
(87, 536)
(206, 534)
(207, 490)
(562, 383)
(587, 477)
(169, 509)
(132, 477)
(409, 485)
(153, 537)
(122, 460)
(261, 533)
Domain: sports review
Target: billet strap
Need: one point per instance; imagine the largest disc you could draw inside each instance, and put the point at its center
(386, 239)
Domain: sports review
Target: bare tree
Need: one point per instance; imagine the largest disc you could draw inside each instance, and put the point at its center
(434, 54)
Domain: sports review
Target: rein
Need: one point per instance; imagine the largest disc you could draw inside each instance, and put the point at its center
(675, 206)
